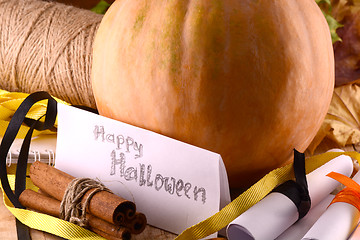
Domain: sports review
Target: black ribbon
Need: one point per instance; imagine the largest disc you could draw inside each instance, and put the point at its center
(297, 191)
(9, 137)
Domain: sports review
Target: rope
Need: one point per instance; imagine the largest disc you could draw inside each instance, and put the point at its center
(71, 208)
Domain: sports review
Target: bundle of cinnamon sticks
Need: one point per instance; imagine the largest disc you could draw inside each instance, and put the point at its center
(107, 214)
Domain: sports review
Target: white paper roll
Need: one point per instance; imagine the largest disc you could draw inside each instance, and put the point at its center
(300, 228)
(275, 213)
(337, 222)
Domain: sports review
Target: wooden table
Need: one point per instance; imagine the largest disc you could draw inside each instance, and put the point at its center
(8, 229)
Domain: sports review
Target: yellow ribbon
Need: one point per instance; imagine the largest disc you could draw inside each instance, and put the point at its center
(9, 103)
(45, 222)
(209, 226)
(254, 194)
(67, 230)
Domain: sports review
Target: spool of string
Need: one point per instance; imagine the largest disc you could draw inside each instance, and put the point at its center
(47, 46)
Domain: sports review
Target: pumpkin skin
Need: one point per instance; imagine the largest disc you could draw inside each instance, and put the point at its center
(250, 80)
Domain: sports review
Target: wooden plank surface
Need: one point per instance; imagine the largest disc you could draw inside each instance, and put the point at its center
(8, 229)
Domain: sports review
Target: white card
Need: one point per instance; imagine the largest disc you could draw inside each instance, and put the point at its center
(176, 185)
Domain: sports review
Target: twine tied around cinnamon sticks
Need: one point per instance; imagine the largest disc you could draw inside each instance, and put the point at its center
(71, 208)
(99, 209)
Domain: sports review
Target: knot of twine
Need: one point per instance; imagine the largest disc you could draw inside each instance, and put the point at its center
(71, 208)
(47, 46)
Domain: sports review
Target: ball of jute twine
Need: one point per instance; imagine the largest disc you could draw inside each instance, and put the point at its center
(47, 46)
(72, 207)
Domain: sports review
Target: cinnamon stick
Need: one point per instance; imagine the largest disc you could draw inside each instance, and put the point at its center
(137, 224)
(109, 237)
(103, 204)
(44, 204)
(39, 202)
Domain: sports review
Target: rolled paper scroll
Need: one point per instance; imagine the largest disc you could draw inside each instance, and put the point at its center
(355, 235)
(276, 212)
(51, 206)
(299, 229)
(103, 204)
(341, 217)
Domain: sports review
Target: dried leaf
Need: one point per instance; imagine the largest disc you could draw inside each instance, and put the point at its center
(347, 52)
(342, 122)
(326, 8)
(343, 17)
(341, 9)
(101, 7)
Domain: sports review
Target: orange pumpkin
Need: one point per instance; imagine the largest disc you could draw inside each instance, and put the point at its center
(249, 79)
